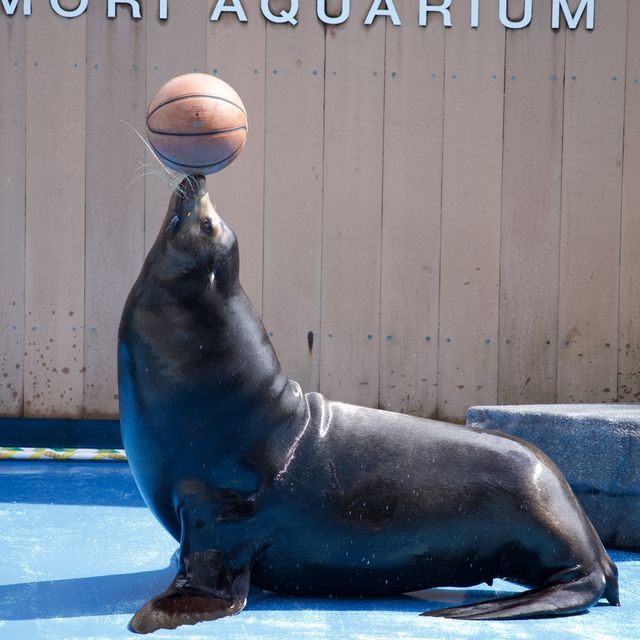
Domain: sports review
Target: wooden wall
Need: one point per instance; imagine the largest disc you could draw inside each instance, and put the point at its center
(429, 218)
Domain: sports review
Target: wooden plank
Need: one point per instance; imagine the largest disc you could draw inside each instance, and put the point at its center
(354, 102)
(114, 243)
(414, 103)
(55, 159)
(590, 227)
(629, 341)
(236, 53)
(12, 214)
(293, 194)
(173, 47)
(531, 190)
(471, 198)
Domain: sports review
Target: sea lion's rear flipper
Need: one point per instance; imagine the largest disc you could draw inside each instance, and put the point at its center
(204, 589)
(559, 597)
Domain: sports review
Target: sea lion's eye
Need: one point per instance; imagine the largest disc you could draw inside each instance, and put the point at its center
(206, 226)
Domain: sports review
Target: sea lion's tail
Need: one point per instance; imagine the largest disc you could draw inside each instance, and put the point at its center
(567, 592)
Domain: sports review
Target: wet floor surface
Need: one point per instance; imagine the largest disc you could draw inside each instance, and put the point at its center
(79, 553)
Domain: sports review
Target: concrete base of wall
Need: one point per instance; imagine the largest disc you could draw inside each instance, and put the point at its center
(598, 449)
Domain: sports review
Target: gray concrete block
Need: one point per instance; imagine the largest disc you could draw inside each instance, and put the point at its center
(616, 519)
(596, 446)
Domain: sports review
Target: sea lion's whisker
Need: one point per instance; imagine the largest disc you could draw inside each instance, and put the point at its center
(187, 177)
(166, 179)
(143, 166)
(155, 155)
(171, 178)
(136, 178)
(180, 177)
(176, 185)
(149, 173)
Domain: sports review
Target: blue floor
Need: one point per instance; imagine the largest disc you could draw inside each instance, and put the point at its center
(79, 553)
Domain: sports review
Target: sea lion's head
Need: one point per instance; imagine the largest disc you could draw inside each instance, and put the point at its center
(199, 250)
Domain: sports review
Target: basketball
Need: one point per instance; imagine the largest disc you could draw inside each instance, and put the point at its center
(196, 124)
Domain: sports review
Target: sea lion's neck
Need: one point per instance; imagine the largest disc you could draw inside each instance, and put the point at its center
(206, 341)
(214, 333)
(269, 404)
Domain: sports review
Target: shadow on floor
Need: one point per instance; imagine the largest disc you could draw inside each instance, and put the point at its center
(100, 595)
(125, 593)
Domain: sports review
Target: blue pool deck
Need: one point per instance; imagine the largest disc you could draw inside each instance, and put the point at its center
(79, 553)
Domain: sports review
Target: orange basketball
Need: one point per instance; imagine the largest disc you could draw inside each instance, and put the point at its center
(196, 123)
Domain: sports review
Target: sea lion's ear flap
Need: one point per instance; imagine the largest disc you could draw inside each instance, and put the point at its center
(172, 227)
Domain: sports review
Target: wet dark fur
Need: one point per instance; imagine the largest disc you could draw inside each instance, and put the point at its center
(297, 494)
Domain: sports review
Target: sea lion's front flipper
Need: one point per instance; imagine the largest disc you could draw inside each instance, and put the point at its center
(205, 588)
(559, 598)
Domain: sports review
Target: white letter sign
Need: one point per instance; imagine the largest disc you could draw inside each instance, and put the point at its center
(135, 8)
(344, 14)
(334, 12)
(475, 14)
(10, 7)
(521, 24)
(441, 8)
(236, 7)
(572, 20)
(72, 13)
(376, 11)
(285, 16)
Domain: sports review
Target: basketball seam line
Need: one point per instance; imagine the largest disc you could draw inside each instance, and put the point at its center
(195, 95)
(190, 134)
(199, 166)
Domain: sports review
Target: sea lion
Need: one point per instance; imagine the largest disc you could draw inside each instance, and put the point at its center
(297, 494)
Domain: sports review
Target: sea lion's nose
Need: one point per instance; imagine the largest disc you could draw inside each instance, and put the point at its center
(193, 185)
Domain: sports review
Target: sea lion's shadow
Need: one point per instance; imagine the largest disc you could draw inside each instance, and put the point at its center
(76, 597)
(125, 593)
(428, 600)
